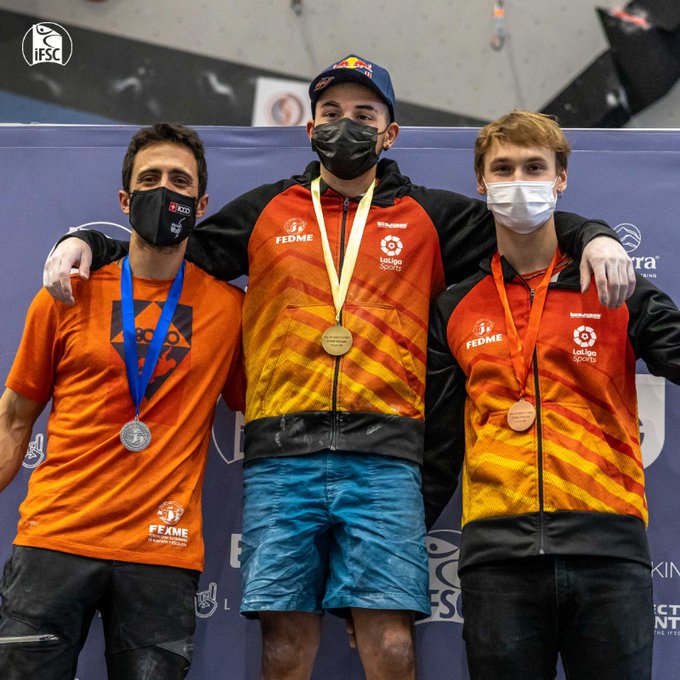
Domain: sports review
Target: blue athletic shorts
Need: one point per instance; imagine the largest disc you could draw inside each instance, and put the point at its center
(333, 530)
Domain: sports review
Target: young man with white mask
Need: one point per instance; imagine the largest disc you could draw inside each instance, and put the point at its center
(343, 261)
(531, 390)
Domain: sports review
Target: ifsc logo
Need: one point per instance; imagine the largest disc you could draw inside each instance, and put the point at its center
(206, 601)
(47, 43)
(35, 453)
(442, 548)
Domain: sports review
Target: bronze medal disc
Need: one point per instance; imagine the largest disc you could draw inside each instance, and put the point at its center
(336, 340)
(521, 415)
(135, 435)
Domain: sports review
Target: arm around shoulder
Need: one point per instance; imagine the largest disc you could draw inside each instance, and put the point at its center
(602, 257)
(82, 249)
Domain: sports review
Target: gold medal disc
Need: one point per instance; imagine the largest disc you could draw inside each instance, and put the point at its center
(521, 415)
(336, 340)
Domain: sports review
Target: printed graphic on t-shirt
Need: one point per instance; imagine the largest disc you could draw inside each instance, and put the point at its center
(176, 345)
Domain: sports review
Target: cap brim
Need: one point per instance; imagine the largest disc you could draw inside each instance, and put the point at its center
(344, 75)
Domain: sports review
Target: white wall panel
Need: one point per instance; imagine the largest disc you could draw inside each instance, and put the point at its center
(438, 51)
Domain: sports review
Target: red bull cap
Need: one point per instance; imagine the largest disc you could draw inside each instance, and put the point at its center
(357, 70)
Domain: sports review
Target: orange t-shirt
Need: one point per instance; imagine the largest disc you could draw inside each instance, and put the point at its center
(91, 496)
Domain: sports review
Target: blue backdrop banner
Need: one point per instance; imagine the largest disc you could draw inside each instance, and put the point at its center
(55, 178)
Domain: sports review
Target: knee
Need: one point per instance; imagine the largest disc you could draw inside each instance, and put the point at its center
(395, 648)
(147, 663)
(288, 650)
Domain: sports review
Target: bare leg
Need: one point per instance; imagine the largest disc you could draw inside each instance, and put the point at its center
(385, 639)
(290, 641)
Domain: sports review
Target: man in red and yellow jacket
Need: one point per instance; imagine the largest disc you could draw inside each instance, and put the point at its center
(531, 388)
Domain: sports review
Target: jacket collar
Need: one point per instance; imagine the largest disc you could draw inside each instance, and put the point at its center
(568, 277)
(391, 182)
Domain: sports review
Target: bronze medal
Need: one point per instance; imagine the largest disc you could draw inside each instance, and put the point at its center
(336, 340)
(521, 415)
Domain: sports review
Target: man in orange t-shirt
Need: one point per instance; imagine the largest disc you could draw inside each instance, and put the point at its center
(112, 519)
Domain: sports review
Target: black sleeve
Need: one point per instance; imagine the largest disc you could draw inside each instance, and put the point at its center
(104, 249)
(575, 232)
(654, 329)
(467, 231)
(444, 417)
(219, 244)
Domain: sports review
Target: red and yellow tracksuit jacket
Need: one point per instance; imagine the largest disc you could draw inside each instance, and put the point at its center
(573, 483)
(300, 399)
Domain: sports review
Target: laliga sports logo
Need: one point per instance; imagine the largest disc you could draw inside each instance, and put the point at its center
(585, 336)
(47, 43)
(630, 236)
(442, 548)
(36, 452)
(170, 512)
(391, 246)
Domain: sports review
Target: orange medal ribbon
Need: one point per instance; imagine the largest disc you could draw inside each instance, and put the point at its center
(522, 350)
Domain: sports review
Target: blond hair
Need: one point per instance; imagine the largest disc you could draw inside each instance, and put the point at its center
(523, 128)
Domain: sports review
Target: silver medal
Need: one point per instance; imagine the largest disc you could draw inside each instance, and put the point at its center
(135, 435)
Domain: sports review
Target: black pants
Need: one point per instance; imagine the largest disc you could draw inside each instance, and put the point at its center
(50, 598)
(596, 613)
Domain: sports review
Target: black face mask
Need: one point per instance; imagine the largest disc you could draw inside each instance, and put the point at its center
(346, 148)
(162, 216)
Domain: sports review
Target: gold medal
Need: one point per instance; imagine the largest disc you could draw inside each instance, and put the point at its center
(521, 415)
(336, 340)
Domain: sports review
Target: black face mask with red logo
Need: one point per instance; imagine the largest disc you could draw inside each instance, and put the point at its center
(162, 216)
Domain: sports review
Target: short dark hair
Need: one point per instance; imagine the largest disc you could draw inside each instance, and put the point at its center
(166, 132)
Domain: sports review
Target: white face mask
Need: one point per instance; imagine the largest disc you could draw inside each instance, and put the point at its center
(521, 206)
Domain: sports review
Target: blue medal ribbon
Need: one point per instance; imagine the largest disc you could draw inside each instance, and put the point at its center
(139, 380)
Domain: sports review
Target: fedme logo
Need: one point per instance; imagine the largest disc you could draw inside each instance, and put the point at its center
(179, 208)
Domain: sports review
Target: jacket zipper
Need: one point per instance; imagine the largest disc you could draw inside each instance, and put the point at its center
(334, 405)
(539, 436)
(26, 639)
